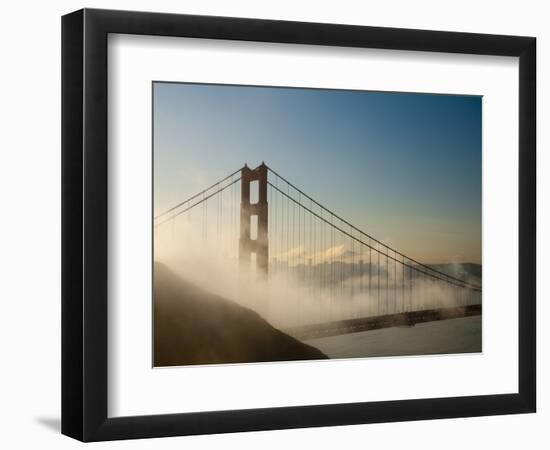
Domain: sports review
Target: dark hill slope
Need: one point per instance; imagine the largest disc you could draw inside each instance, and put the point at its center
(193, 326)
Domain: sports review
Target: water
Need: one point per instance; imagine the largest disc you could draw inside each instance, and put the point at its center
(461, 335)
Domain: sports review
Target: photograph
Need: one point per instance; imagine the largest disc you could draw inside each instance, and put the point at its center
(294, 224)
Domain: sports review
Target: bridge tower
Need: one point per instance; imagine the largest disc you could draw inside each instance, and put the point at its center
(247, 245)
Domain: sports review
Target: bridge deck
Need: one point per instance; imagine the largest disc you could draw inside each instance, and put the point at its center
(410, 319)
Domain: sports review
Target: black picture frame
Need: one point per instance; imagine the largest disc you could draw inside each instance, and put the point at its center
(84, 224)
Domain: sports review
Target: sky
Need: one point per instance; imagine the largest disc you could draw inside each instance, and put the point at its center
(403, 167)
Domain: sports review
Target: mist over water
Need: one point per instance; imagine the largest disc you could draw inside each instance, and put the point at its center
(322, 285)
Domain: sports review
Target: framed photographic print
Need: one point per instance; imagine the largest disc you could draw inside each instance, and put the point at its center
(273, 224)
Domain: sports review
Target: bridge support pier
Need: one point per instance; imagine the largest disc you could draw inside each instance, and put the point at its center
(258, 246)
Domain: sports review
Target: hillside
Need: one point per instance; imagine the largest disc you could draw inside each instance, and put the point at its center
(464, 271)
(193, 326)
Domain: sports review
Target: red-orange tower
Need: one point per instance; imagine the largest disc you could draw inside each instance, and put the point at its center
(247, 245)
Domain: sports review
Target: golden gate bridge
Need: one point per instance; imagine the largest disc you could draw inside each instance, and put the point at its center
(343, 279)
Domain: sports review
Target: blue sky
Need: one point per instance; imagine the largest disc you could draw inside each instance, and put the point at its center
(405, 168)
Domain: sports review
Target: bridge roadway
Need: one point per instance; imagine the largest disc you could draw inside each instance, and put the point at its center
(407, 319)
